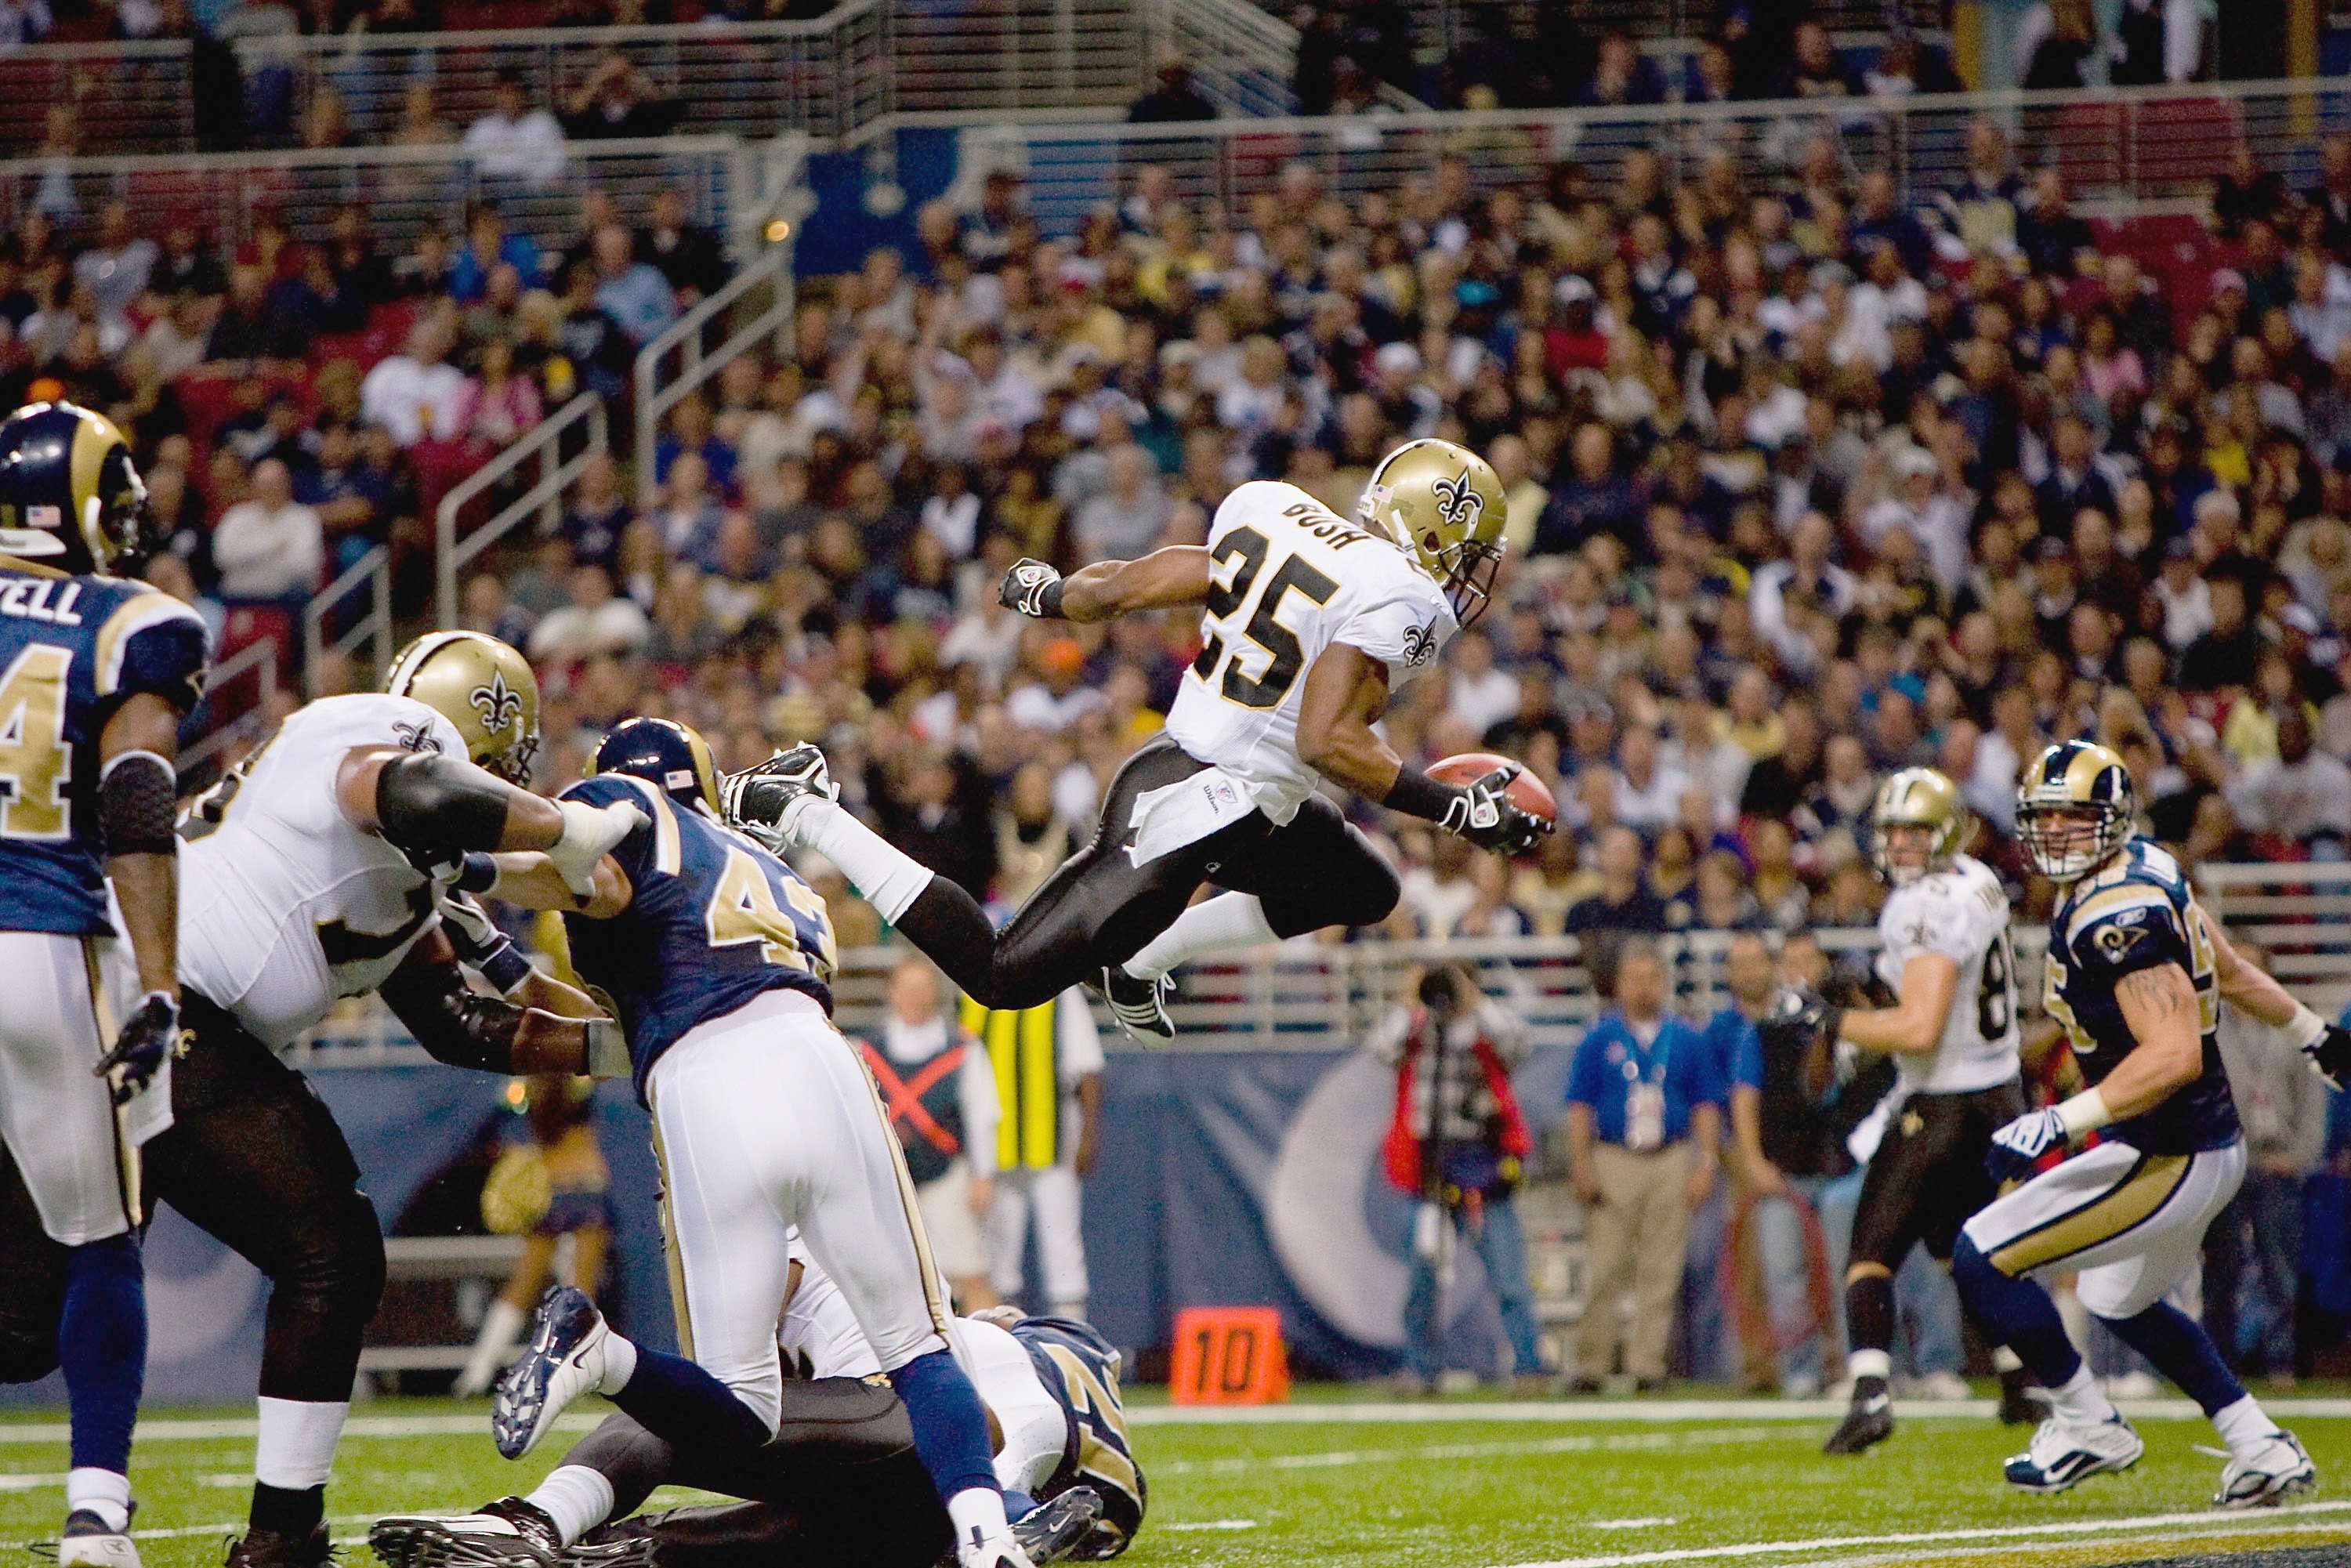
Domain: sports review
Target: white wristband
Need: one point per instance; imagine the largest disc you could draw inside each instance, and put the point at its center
(2083, 1113)
(2304, 1028)
(608, 1049)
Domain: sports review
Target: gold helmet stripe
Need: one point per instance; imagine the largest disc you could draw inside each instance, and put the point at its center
(95, 436)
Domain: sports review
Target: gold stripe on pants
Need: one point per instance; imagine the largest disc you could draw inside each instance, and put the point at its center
(2148, 1187)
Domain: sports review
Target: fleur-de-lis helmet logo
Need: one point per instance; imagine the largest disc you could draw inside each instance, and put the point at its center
(1458, 501)
(499, 704)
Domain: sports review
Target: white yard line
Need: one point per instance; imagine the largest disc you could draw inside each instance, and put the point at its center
(2243, 1529)
(1580, 1444)
(1211, 1524)
(1517, 1413)
(1651, 1521)
(232, 1527)
(2206, 1522)
(9, 1482)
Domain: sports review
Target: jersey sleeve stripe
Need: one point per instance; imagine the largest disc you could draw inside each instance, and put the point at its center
(2114, 900)
(667, 857)
(131, 618)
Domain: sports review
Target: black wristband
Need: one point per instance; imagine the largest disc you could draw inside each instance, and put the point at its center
(136, 805)
(505, 966)
(1049, 604)
(1415, 794)
(477, 873)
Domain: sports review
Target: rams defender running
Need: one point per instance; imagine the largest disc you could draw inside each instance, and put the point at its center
(1308, 623)
(95, 676)
(2136, 977)
(1943, 948)
(718, 961)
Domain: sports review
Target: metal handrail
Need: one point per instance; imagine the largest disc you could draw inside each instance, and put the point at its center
(341, 157)
(261, 655)
(771, 265)
(374, 568)
(555, 476)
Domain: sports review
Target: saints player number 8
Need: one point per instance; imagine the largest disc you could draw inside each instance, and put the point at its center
(1996, 996)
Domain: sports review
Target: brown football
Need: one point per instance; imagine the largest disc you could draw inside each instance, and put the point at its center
(1526, 792)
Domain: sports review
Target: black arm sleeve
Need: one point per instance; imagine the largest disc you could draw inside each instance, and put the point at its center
(454, 1025)
(1415, 794)
(432, 804)
(135, 805)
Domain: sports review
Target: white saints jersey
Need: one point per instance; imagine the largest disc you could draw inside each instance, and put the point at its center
(1291, 578)
(285, 906)
(1961, 913)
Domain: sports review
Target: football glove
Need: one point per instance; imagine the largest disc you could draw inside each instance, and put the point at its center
(2330, 1055)
(1487, 817)
(754, 800)
(589, 832)
(151, 1034)
(481, 944)
(1032, 588)
(2016, 1148)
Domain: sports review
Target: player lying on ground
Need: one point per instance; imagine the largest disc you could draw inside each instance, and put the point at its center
(717, 960)
(838, 1483)
(1308, 623)
(96, 674)
(2136, 977)
(1943, 948)
(325, 866)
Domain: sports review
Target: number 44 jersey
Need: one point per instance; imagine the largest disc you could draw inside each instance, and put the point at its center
(1962, 915)
(1289, 578)
(713, 920)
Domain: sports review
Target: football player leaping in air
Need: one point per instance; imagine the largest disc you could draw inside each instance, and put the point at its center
(1308, 623)
(2136, 977)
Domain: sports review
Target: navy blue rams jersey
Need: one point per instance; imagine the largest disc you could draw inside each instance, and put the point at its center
(2138, 914)
(72, 649)
(714, 921)
(1078, 1368)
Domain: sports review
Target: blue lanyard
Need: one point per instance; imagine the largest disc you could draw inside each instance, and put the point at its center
(1648, 1064)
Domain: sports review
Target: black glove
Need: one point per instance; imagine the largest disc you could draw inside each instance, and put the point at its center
(151, 1034)
(1489, 819)
(754, 800)
(2330, 1054)
(1033, 588)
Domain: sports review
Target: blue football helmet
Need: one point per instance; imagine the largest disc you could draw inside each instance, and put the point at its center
(70, 497)
(667, 754)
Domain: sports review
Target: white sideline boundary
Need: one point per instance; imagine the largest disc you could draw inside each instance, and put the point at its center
(2207, 1523)
(1575, 1442)
(1517, 1413)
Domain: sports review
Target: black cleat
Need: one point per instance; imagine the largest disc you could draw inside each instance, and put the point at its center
(1869, 1422)
(269, 1549)
(1053, 1528)
(2023, 1401)
(507, 1534)
(1139, 1006)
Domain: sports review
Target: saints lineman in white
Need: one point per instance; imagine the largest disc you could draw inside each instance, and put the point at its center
(1308, 623)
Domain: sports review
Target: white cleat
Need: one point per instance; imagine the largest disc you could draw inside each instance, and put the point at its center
(2275, 1471)
(565, 1359)
(88, 1540)
(996, 1551)
(2063, 1455)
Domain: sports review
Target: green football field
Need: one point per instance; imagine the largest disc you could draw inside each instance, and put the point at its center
(1592, 1484)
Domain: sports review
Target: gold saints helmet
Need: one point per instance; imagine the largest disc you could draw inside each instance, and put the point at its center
(481, 685)
(70, 497)
(1918, 798)
(1443, 505)
(2075, 808)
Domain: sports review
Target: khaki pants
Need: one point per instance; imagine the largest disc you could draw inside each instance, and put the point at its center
(1636, 1236)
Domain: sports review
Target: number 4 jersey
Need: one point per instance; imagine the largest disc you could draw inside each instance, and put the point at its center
(714, 920)
(72, 651)
(284, 905)
(1962, 915)
(1289, 579)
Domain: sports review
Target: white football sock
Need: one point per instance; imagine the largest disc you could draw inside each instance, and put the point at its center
(1874, 1363)
(1228, 920)
(2081, 1400)
(108, 1495)
(976, 1508)
(884, 875)
(296, 1450)
(2244, 1426)
(620, 1364)
(501, 1326)
(2004, 1359)
(577, 1498)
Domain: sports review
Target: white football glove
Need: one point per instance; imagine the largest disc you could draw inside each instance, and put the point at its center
(589, 834)
(2016, 1148)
